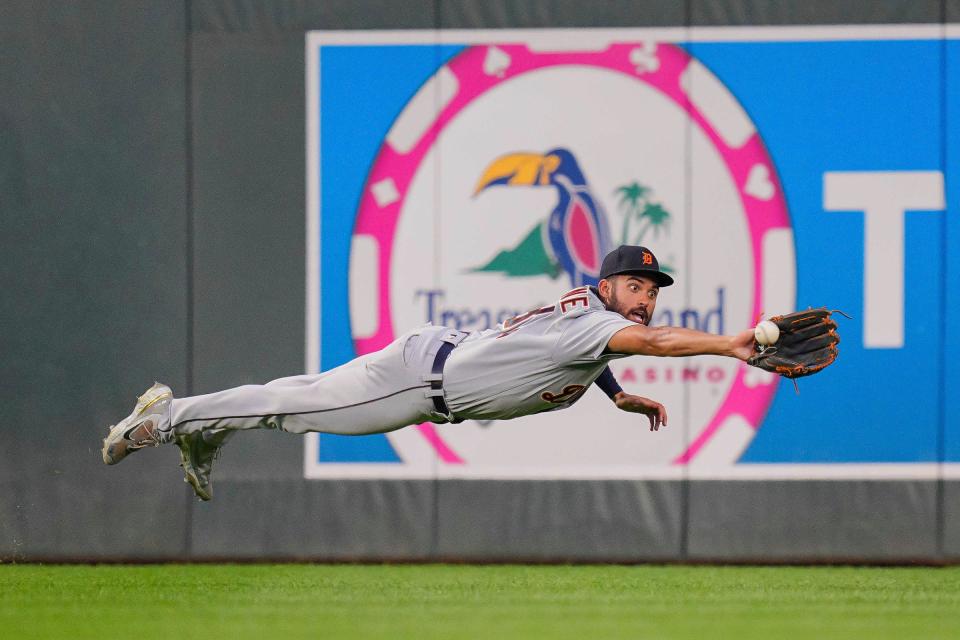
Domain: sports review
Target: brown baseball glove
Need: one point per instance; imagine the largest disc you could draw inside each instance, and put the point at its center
(807, 343)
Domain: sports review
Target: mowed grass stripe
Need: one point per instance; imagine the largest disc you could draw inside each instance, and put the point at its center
(462, 601)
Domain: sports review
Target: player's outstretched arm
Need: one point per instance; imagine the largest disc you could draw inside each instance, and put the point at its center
(641, 340)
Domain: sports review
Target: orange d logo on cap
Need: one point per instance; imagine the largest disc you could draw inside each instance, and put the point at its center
(634, 259)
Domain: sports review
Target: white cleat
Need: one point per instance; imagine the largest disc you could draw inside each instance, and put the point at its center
(196, 458)
(142, 428)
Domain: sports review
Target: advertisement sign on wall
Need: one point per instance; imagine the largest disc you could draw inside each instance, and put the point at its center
(462, 178)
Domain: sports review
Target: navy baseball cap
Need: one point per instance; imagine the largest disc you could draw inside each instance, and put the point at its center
(634, 260)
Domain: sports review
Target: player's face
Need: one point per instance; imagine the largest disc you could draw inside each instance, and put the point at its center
(633, 297)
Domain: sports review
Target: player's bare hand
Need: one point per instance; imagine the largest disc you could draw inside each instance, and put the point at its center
(655, 412)
(741, 345)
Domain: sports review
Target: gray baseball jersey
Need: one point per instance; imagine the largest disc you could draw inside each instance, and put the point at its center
(540, 361)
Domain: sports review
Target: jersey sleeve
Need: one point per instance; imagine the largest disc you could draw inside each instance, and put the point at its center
(585, 336)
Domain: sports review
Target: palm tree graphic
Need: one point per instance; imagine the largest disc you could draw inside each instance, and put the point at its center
(638, 210)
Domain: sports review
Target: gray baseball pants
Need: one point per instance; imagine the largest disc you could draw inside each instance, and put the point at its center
(374, 393)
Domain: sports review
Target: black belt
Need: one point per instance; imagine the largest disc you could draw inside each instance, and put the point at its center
(437, 385)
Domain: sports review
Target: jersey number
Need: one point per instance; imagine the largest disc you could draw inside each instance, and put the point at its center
(570, 393)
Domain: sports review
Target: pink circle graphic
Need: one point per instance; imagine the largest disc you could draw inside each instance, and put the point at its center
(742, 158)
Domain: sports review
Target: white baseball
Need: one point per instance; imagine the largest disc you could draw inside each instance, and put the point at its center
(766, 333)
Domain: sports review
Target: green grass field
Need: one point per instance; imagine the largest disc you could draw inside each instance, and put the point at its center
(453, 601)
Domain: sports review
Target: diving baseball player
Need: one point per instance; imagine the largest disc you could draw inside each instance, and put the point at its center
(542, 360)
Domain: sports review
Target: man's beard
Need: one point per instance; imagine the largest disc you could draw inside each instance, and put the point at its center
(614, 305)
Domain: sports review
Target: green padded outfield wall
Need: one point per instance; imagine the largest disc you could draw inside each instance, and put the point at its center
(154, 189)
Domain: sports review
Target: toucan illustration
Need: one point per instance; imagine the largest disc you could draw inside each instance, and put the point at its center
(575, 235)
